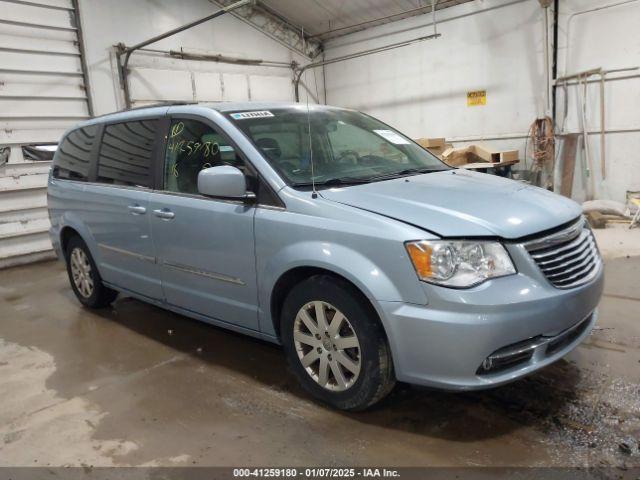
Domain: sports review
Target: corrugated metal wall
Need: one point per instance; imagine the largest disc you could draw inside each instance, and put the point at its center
(42, 93)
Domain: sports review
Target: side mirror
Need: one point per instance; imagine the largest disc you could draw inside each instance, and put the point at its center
(224, 181)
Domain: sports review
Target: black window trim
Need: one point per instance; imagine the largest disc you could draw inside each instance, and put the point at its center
(157, 142)
(91, 158)
(159, 185)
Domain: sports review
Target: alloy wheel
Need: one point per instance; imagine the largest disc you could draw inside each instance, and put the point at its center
(81, 272)
(327, 346)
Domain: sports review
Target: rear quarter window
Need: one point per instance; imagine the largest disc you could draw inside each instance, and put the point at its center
(72, 159)
(126, 152)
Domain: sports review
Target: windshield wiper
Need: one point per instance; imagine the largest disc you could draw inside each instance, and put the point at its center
(337, 181)
(407, 171)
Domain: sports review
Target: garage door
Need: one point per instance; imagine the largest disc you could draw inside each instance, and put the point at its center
(153, 85)
(42, 93)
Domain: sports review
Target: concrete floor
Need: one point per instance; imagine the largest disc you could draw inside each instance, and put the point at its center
(135, 385)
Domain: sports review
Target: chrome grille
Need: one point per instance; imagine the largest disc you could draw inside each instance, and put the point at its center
(567, 258)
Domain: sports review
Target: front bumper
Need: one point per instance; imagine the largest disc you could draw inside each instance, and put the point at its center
(443, 344)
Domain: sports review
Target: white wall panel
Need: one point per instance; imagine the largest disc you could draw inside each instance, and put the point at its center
(42, 93)
(17, 42)
(422, 88)
(40, 62)
(35, 14)
(160, 85)
(24, 182)
(12, 108)
(497, 46)
(236, 87)
(208, 87)
(39, 36)
(12, 202)
(264, 88)
(113, 21)
(62, 4)
(23, 246)
(21, 131)
(34, 86)
(606, 38)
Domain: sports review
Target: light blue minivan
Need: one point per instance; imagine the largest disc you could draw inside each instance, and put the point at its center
(327, 231)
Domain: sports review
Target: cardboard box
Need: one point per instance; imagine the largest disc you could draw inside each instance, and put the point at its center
(457, 157)
(472, 154)
(492, 155)
(509, 155)
(431, 142)
(486, 153)
(438, 151)
(435, 145)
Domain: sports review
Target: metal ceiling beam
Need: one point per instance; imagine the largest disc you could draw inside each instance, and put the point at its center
(277, 27)
(374, 22)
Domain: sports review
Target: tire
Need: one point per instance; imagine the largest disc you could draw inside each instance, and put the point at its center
(343, 386)
(88, 287)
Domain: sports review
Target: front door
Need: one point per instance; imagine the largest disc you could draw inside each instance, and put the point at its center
(205, 246)
(118, 210)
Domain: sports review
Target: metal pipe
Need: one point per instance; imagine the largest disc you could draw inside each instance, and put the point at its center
(83, 57)
(607, 79)
(602, 136)
(189, 25)
(517, 136)
(181, 54)
(579, 75)
(547, 66)
(127, 51)
(433, 15)
(554, 66)
(588, 167)
(356, 55)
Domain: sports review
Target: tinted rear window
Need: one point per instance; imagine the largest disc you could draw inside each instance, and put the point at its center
(126, 152)
(72, 158)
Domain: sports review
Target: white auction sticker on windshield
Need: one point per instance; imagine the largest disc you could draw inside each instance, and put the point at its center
(255, 114)
(392, 136)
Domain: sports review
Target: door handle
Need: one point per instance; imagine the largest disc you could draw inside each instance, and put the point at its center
(137, 209)
(164, 214)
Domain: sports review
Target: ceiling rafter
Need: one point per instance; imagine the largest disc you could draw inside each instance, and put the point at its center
(273, 24)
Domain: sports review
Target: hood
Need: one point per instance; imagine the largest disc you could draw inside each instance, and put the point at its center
(461, 203)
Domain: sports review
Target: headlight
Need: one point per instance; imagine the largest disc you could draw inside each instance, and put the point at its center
(458, 263)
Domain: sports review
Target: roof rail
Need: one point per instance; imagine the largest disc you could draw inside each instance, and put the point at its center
(151, 105)
(170, 103)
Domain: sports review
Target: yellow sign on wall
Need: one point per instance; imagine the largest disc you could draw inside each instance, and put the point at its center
(477, 97)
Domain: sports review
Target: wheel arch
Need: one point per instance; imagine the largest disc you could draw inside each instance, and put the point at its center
(71, 225)
(65, 235)
(298, 274)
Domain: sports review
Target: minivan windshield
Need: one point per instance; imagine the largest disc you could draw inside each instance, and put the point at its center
(347, 147)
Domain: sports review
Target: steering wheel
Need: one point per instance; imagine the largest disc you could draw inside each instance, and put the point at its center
(342, 157)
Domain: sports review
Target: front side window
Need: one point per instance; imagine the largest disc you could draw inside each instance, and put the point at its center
(126, 152)
(332, 146)
(192, 146)
(71, 160)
